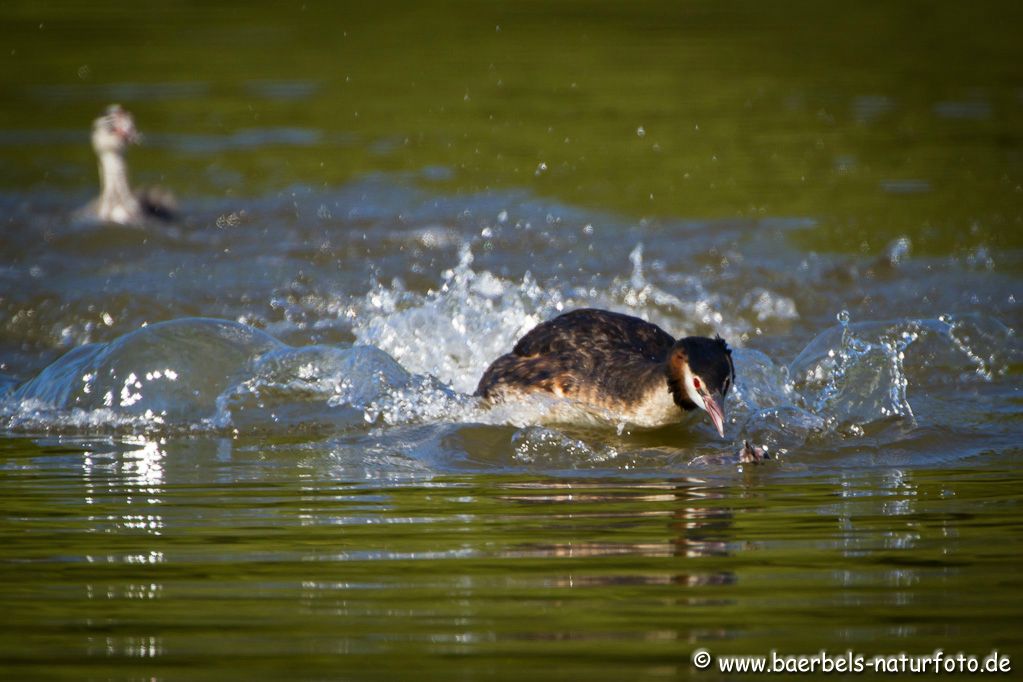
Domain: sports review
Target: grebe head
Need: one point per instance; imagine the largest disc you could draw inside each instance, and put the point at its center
(700, 374)
(114, 131)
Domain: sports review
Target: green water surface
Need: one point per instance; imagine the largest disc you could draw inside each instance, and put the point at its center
(112, 568)
(874, 118)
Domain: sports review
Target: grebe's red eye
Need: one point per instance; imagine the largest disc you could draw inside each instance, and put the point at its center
(696, 383)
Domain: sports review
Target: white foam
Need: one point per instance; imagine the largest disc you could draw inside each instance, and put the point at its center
(456, 331)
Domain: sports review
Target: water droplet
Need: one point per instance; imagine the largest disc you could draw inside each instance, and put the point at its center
(899, 250)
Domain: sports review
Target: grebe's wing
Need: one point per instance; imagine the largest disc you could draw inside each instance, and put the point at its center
(597, 332)
(596, 357)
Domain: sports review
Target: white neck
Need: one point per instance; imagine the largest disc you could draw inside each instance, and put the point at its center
(116, 202)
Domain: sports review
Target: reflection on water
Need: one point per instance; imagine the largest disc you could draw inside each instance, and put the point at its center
(607, 572)
(696, 526)
(130, 480)
(614, 571)
(144, 466)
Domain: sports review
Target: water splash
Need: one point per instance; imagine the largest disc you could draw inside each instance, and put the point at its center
(982, 341)
(537, 445)
(858, 373)
(690, 307)
(454, 332)
(308, 387)
(418, 356)
(171, 372)
(852, 380)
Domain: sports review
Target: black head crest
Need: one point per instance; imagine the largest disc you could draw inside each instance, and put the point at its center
(724, 344)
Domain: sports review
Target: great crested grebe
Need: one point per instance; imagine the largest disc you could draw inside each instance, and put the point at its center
(117, 203)
(618, 365)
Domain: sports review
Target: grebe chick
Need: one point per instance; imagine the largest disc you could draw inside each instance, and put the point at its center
(604, 362)
(117, 203)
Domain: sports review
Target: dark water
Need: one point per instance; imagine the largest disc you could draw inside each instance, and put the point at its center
(243, 444)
